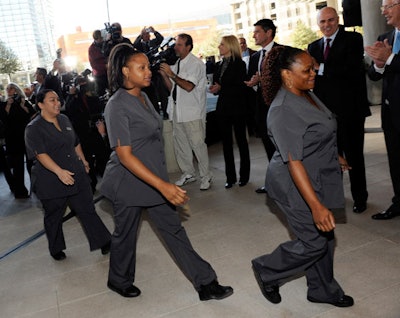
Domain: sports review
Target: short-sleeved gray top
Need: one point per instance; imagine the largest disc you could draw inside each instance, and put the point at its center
(308, 134)
(130, 123)
(42, 137)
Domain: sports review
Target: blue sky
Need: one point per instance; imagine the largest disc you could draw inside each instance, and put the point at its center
(91, 14)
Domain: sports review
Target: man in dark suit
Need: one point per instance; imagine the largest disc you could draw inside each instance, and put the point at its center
(341, 84)
(263, 34)
(386, 66)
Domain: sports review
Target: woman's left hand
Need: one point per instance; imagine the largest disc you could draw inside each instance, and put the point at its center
(343, 164)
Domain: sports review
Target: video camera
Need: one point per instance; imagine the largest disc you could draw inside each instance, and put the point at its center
(17, 98)
(164, 53)
(113, 30)
(79, 81)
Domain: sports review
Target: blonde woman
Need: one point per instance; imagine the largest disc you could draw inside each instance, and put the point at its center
(228, 84)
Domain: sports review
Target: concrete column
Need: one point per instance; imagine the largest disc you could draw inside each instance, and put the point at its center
(374, 24)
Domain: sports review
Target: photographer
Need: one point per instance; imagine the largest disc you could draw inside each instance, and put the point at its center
(98, 62)
(157, 91)
(143, 42)
(114, 37)
(85, 110)
(15, 113)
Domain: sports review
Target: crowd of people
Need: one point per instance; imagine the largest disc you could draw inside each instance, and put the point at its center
(285, 96)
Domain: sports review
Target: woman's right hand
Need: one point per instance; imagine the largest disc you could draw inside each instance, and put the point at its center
(174, 194)
(66, 177)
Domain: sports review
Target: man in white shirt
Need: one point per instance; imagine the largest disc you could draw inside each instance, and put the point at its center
(186, 80)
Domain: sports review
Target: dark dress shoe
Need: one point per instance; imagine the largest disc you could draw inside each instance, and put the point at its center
(214, 290)
(131, 291)
(242, 183)
(345, 301)
(106, 248)
(229, 185)
(271, 292)
(386, 215)
(21, 195)
(359, 207)
(261, 190)
(59, 256)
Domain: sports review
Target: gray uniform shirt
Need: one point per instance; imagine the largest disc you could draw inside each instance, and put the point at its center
(42, 137)
(308, 134)
(130, 123)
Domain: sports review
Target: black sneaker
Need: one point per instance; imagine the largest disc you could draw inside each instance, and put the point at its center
(214, 290)
(271, 292)
(59, 256)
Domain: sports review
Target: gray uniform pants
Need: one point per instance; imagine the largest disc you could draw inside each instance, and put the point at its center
(312, 253)
(166, 219)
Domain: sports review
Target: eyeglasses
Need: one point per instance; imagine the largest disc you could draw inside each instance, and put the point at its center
(383, 8)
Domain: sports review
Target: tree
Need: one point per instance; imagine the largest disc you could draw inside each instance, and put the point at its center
(208, 47)
(303, 35)
(9, 62)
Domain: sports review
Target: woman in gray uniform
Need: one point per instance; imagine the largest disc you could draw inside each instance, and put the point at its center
(59, 176)
(136, 178)
(303, 178)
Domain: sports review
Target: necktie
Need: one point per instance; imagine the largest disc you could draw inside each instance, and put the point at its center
(261, 60)
(327, 48)
(174, 90)
(396, 46)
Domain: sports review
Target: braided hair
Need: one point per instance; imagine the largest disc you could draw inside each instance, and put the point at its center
(119, 57)
(278, 59)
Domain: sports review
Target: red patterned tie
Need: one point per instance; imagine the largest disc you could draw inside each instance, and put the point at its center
(327, 49)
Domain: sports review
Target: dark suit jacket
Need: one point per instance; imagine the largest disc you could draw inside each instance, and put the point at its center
(390, 88)
(232, 96)
(251, 51)
(342, 88)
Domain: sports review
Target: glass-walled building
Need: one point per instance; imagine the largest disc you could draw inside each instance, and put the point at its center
(27, 29)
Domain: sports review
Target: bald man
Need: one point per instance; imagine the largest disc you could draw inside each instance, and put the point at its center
(341, 84)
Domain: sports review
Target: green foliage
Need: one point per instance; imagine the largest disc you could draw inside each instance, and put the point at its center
(208, 47)
(303, 35)
(9, 62)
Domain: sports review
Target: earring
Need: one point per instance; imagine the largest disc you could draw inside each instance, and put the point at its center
(289, 84)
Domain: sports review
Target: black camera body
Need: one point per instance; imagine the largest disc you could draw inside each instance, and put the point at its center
(114, 31)
(17, 98)
(80, 81)
(164, 53)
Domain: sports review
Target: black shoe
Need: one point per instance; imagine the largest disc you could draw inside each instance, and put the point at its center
(271, 292)
(229, 185)
(214, 290)
(59, 256)
(261, 190)
(242, 183)
(345, 301)
(21, 195)
(131, 291)
(386, 215)
(105, 249)
(359, 207)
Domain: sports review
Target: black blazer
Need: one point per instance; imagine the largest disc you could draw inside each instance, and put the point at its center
(391, 87)
(232, 96)
(343, 87)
